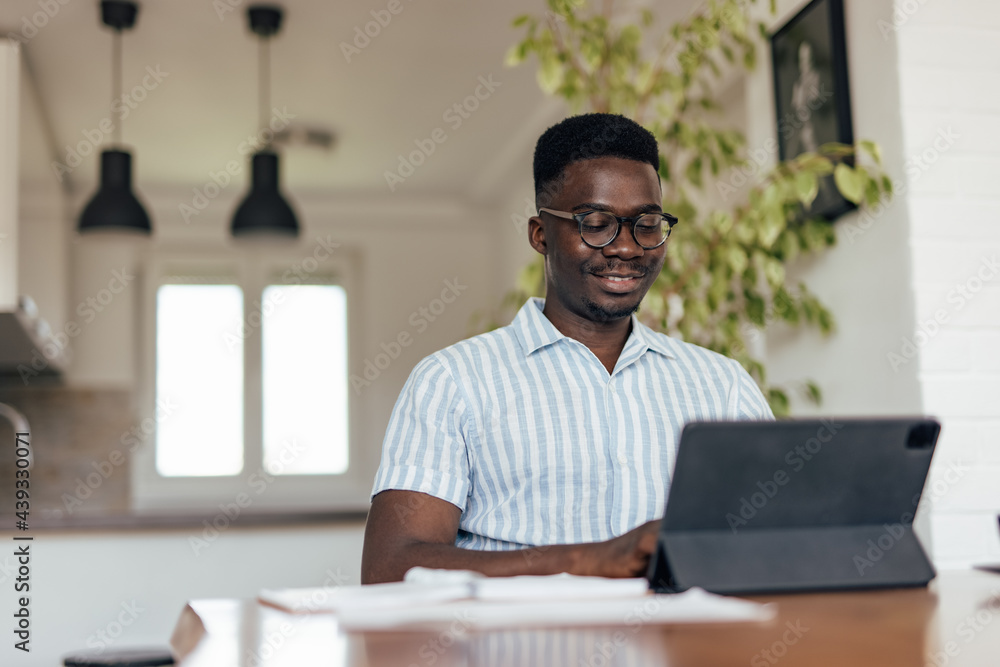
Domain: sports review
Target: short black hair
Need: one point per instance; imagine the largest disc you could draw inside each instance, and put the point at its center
(585, 137)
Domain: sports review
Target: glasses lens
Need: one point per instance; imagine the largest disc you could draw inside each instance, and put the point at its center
(650, 230)
(598, 228)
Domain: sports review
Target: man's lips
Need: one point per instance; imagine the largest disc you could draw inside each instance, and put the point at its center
(619, 283)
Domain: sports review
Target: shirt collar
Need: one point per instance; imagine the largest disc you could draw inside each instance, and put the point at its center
(535, 331)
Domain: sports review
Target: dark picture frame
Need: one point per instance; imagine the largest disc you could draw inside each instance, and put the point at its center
(811, 93)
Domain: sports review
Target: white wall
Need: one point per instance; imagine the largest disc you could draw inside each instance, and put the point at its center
(510, 182)
(865, 279)
(34, 255)
(9, 108)
(80, 581)
(43, 243)
(951, 115)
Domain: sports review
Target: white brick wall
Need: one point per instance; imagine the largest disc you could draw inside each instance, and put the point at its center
(955, 235)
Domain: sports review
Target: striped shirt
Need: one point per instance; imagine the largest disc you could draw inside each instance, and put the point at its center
(524, 430)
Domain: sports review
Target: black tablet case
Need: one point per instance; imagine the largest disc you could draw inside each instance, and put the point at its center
(840, 516)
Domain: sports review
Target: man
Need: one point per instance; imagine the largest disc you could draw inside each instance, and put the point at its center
(547, 446)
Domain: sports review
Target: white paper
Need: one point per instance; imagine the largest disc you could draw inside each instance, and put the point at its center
(692, 606)
(374, 596)
(557, 587)
(431, 598)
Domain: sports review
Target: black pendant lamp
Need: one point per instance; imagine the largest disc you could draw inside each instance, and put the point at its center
(264, 211)
(115, 206)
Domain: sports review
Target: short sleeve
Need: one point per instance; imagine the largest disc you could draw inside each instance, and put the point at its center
(425, 443)
(746, 401)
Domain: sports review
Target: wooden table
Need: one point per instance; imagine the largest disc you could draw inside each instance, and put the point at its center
(953, 622)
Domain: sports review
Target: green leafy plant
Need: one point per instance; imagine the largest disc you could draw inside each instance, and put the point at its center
(724, 278)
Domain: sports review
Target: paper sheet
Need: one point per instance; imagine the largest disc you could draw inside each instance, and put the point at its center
(556, 587)
(431, 598)
(692, 606)
(350, 598)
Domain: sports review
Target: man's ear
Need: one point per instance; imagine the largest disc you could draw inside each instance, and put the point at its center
(536, 235)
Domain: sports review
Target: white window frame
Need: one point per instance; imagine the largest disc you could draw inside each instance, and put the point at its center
(253, 490)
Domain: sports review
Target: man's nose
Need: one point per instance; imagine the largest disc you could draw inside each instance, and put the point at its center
(624, 245)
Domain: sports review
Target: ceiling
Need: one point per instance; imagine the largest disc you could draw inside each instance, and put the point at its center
(395, 91)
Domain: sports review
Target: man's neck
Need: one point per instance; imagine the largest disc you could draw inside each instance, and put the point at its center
(605, 339)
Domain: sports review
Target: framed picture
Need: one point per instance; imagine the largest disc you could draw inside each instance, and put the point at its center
(812, 100)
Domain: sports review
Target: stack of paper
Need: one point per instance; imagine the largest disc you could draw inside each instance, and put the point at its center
(557, 587)
(430, 598)
(352, 598)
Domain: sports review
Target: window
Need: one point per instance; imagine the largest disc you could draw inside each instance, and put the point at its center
(305, 380)
(246, 381)
(192, 360)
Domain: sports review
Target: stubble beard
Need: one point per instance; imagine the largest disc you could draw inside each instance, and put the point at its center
(599, 313)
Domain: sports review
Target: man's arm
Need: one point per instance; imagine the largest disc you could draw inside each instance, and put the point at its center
(406, 529)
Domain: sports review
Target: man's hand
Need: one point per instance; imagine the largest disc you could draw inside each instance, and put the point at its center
(624, 556)
(406, 529)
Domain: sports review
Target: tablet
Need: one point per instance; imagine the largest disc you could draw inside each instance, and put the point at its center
(800, 505)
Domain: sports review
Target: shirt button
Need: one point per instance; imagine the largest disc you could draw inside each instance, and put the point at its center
(622, 459)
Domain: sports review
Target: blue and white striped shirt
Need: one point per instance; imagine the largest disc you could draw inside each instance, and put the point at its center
(525, 431)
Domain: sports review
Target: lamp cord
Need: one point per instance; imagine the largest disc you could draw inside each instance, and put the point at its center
(264, 87)
(116, 83)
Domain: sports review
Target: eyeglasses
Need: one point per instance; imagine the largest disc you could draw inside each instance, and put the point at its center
(600, 228)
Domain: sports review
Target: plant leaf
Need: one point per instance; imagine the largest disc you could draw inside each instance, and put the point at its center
(872, 149)
(550, 75)
(806, 187)
(849, 182)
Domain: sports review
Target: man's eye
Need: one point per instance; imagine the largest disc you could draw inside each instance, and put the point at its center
(598, 219)
(599, 227)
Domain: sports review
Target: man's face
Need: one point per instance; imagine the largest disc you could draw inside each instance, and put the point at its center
(599, 284)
